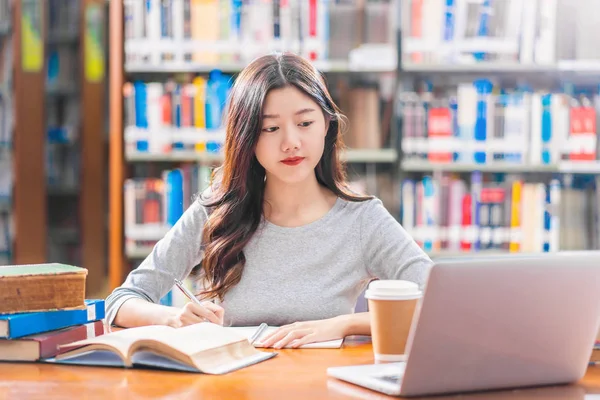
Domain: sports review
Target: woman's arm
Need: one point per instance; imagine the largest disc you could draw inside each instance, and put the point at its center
(389, 252)
(355, 324)
(173, 257)
(300, 333)
(138, 312)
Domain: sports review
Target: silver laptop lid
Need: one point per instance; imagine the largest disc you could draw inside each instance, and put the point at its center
(501, 322)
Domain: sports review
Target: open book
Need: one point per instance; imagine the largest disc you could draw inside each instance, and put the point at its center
(203, 347)
(249, 331)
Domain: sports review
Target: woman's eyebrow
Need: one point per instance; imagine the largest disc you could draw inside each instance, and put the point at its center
(304, 111)
(299, 112)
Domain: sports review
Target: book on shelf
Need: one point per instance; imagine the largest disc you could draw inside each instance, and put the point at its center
(176, 32)
(62, 17)
(444, 212)
(467, 32)
(41, 287)
(45, 345)
(479, 123)
(5, 16)
(203, 347)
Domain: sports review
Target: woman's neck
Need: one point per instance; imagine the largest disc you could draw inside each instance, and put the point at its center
(298, 203)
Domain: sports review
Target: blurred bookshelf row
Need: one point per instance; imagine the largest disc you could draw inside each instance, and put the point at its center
(542, 35)
(480, 125)
(184, 35)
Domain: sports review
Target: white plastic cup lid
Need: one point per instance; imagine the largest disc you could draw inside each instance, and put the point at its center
(393, 289)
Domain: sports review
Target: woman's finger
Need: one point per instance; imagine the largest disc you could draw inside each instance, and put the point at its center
(216, 309)
(189, 318)
(302, 341)
(276, 335)
(293, 335)
(203, 312)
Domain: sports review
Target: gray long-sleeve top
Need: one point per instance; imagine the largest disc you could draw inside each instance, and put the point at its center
(311, 272)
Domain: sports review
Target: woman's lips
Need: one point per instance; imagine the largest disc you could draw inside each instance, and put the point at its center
(292, 160)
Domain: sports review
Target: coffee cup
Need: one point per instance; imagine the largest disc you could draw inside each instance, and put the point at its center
(392, 304)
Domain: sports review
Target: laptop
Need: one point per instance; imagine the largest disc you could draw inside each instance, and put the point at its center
(495, 323)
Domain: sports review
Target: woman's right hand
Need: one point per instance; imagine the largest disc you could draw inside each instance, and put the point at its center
(193, 313)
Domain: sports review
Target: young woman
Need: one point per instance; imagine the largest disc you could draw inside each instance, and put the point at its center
(279, 236)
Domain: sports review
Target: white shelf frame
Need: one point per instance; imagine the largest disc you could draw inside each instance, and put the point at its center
(350, 155)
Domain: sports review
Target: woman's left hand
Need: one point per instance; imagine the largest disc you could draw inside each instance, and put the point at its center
(300, 333)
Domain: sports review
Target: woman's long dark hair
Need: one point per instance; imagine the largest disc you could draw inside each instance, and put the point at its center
(236, 198)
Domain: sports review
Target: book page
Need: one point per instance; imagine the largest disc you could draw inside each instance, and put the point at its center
(122, 340)
(248, 331)
(194, 339)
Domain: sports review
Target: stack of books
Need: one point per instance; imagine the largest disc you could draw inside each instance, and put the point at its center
(43, 306)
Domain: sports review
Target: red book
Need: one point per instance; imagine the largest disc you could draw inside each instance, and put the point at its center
(466, 240)
(440, 135)
(582, 135)
(45, 345)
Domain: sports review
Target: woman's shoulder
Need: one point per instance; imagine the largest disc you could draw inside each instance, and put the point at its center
(201, 204)
(365, 207)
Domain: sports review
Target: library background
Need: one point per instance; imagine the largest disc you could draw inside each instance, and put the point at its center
(474, 121)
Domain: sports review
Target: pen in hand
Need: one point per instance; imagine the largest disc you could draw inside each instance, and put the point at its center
(207, 307)
(187, 293)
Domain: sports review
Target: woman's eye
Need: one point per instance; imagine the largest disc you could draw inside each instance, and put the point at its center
(270, 129)
(306, 123)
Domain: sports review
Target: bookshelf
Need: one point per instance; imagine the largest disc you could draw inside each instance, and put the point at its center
(37, 92)
(504, 96)
(29, 179)
(6, 126)
(363, 56)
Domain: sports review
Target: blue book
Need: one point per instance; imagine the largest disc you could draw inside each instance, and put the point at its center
(174, 196)
(483, 28)
(14, 326)
(141, 115)
(449, 20)
(546, 128)
(476, 186)
(484, 90)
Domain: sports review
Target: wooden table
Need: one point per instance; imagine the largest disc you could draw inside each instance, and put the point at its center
(293, 374)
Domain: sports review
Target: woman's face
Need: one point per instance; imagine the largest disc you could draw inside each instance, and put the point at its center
(292, 135)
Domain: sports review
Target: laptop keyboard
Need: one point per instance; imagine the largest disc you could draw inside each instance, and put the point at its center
(392, 373)
(393, 378)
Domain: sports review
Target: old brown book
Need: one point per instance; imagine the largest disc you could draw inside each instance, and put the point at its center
(41, 287)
